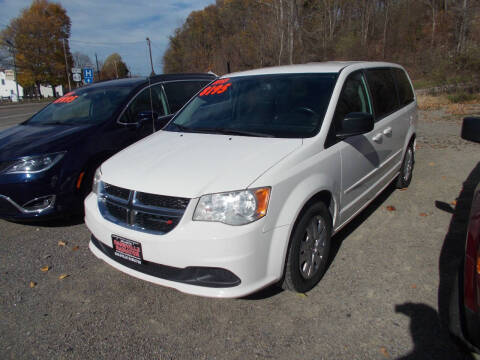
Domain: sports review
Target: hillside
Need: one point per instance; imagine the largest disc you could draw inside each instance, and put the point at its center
(438, 41)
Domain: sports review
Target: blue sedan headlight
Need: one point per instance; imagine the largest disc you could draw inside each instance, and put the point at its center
(33, 164)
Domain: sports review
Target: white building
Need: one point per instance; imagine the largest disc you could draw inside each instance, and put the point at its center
(8, 89)
(46, 91)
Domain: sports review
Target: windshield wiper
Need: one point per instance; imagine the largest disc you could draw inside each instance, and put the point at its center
(182, 128)
(224, 131)
(241, 132)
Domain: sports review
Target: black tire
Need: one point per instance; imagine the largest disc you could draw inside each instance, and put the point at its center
(406, 171)
(307, 259)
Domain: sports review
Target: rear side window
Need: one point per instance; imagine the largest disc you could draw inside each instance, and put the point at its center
(405, 92)
(382, 87)
(178, 93)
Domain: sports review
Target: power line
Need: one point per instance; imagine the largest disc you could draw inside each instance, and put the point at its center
(106, 43)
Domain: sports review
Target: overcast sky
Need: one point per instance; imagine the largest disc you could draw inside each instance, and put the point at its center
(107, 26)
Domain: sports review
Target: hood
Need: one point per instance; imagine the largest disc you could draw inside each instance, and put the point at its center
(192, 164)
(25, 140)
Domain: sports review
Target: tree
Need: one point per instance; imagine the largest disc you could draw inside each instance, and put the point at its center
(433, 39)
(81, 60)
(40, 34)
(6, 59)
(114, 67)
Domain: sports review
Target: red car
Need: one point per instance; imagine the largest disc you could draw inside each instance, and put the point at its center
(465, 304)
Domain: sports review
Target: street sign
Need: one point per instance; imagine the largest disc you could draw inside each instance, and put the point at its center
(76, 71)
(88, 75)
(77, 77)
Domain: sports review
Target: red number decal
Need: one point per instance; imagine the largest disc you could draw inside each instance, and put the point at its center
(218, 87)
(66, 99)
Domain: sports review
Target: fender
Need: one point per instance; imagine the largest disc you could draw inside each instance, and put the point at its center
(292, 194)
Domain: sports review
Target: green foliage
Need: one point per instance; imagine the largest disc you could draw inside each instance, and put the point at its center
(461, 97)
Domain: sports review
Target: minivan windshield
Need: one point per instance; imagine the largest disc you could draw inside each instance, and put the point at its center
(279, 105)
(83, 106)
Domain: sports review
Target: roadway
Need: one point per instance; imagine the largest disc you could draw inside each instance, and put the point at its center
(13, 114)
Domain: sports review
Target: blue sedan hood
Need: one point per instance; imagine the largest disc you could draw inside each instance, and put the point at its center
(25, 140)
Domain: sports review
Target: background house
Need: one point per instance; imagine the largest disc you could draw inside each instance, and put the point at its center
(8, 89)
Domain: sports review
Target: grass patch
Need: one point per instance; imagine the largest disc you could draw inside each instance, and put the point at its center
(462, 97)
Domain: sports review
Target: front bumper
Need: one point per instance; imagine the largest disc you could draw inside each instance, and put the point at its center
(37, 196)
(246, 253)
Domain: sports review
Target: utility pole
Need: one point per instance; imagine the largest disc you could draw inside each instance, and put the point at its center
(116, 69)
(66, 66)
(98, 71)
(150, 50)
(14, 67)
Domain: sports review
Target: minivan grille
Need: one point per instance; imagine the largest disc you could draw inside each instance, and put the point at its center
(157, 214)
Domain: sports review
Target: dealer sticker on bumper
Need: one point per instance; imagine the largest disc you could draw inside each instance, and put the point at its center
(127, 249)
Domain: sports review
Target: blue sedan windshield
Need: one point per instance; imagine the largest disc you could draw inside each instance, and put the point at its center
(83, 106)
(280, 105)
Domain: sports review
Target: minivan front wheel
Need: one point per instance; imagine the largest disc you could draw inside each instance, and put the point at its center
(309, 249)
(406, 171)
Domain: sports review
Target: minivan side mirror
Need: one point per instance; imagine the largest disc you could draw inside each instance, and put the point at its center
(355, 123)
(471, 129)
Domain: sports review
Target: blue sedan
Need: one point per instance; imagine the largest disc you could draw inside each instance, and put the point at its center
(47, 163)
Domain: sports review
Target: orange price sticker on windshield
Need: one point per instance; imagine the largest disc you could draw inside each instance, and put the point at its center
(67, 98)
(218, 87)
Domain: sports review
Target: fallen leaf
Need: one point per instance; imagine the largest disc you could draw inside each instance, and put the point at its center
(403, 189)
(75, 248)
(454, 203)
(63, 276)
(391, 208)
(62, 243)
(45, 268)
(302, 294)
(384, 352)
(414, 286)
(444, 177)
(431, 163)
(423, 214)
(33, 284)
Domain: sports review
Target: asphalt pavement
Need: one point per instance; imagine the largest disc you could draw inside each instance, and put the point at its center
(13, 114)
(384, 295)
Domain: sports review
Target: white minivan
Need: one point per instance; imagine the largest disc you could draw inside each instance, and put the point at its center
(247, 184)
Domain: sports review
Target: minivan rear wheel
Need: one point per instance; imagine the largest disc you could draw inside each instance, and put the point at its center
(406, 171)
(309, 249)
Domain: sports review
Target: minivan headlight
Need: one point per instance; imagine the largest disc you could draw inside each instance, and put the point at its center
(33, 164)
(97, 180)
(233, 208)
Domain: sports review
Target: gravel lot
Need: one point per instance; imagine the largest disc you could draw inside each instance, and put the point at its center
(384, 296)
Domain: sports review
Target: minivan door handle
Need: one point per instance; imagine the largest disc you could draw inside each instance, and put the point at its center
(377, 138)
(387, 131)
